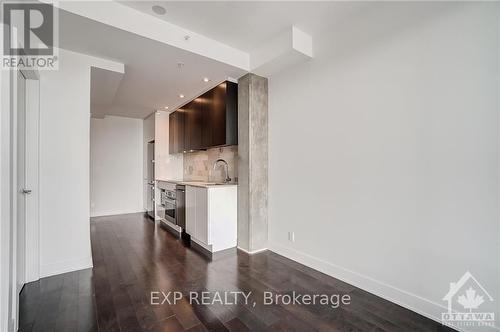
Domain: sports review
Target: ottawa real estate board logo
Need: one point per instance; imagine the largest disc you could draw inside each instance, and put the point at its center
(464, 299)
(29, 36)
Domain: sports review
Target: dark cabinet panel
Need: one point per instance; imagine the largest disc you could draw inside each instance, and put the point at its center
(218, 115)
(188, 125)
(176, 132)
(231, 114)
(221, 116)
(211, 120)
(207, 126)
(171, 133)
(181, 119)
(193, 125)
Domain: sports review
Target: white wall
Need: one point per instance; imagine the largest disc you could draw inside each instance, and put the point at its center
(148, 135)
(64, 163)
(384, 152)
(167, 166)
(116, 166)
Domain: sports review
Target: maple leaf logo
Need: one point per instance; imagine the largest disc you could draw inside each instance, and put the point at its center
(470, 300)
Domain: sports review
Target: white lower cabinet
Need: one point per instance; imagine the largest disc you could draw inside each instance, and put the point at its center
(190, 206)
(211, 216)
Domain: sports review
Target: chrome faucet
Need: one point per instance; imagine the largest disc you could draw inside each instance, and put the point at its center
(226, 167)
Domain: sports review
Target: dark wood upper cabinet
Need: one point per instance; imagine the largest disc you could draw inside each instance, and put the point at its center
(207, 108)
(176, 132)
(211, 120)
(193, 125)
(221, 116)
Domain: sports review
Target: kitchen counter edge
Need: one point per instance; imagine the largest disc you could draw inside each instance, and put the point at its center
(195, 184)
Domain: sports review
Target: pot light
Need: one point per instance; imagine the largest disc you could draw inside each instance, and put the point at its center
(166, 107)
(159, 10)
(206, 79)
(181, 96)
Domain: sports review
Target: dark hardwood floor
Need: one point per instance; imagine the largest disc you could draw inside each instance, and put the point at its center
(134, 257)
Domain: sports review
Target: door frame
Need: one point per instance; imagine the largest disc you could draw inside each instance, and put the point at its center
(32, 234)
(9, 298)
(31, 212)
(6, 199)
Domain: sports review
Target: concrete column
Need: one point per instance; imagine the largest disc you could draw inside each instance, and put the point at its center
(252, 162)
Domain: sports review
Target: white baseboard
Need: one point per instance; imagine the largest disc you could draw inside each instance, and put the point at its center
(252, 252)
(408, 300)
(113, 213)
(207, 247)
(65, 266)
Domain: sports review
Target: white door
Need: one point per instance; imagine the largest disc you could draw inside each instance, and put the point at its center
(21, 182)
(32, 239)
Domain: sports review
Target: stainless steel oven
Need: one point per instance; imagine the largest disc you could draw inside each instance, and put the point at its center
(168, 201)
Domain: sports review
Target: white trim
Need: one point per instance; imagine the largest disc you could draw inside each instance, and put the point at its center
(6, 212)
(203, 245)
(113, 213)
(253, 252)
(408, 300)
(65, 266)
(15, 196)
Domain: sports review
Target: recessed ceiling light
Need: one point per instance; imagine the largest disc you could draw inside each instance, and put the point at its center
(166, 107)
(159, 10)
(181, 96)
(206, 79)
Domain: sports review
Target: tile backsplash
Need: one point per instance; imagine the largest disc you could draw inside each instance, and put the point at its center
(198, 166)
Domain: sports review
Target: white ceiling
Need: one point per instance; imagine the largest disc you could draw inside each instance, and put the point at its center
(152, 78)
(247, 24)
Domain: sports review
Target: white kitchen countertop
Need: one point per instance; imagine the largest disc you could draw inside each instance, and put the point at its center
(199, 183)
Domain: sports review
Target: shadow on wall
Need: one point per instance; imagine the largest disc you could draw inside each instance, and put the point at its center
(376, 24)
(198, 166)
